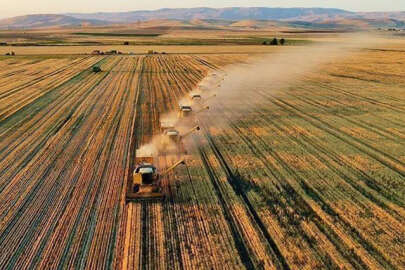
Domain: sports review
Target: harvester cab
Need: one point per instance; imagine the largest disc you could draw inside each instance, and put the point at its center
(185, 111)
(144, 174)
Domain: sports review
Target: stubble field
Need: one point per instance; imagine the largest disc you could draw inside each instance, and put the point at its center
(311, 177)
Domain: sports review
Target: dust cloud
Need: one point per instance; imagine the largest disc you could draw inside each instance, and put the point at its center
(236, 84)
(147, 150)
(273, 72)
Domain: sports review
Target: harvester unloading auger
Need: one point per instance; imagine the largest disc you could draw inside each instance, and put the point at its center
(206, 108)
(145, 184)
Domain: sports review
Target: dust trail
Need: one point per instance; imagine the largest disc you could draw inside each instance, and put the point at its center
(147, 150)
(273, 72)
(163, 143)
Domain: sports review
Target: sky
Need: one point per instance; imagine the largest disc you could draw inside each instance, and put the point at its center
(23, 7)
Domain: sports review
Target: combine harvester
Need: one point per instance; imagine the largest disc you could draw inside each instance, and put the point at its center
(145, 184)
(173, 137)
(186, 111)
(195, 97)
(166, 125)
(199, 99)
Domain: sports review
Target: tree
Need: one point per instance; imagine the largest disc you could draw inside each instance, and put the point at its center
(126, 43)
(274, 41)
(282, 41)
(264, 43)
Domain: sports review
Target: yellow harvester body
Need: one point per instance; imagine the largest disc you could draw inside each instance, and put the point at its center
(145, 184)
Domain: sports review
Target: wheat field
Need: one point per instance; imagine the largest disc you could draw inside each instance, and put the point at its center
(310, 177)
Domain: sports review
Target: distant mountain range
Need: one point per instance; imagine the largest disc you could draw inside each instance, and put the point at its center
(300, 17)
(46, 20)
(231, 14)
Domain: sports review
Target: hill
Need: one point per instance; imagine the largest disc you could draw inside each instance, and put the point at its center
(254, 17)
(232, 14)
(45, 20)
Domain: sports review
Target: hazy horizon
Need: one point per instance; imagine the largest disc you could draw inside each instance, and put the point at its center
(26, 7)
